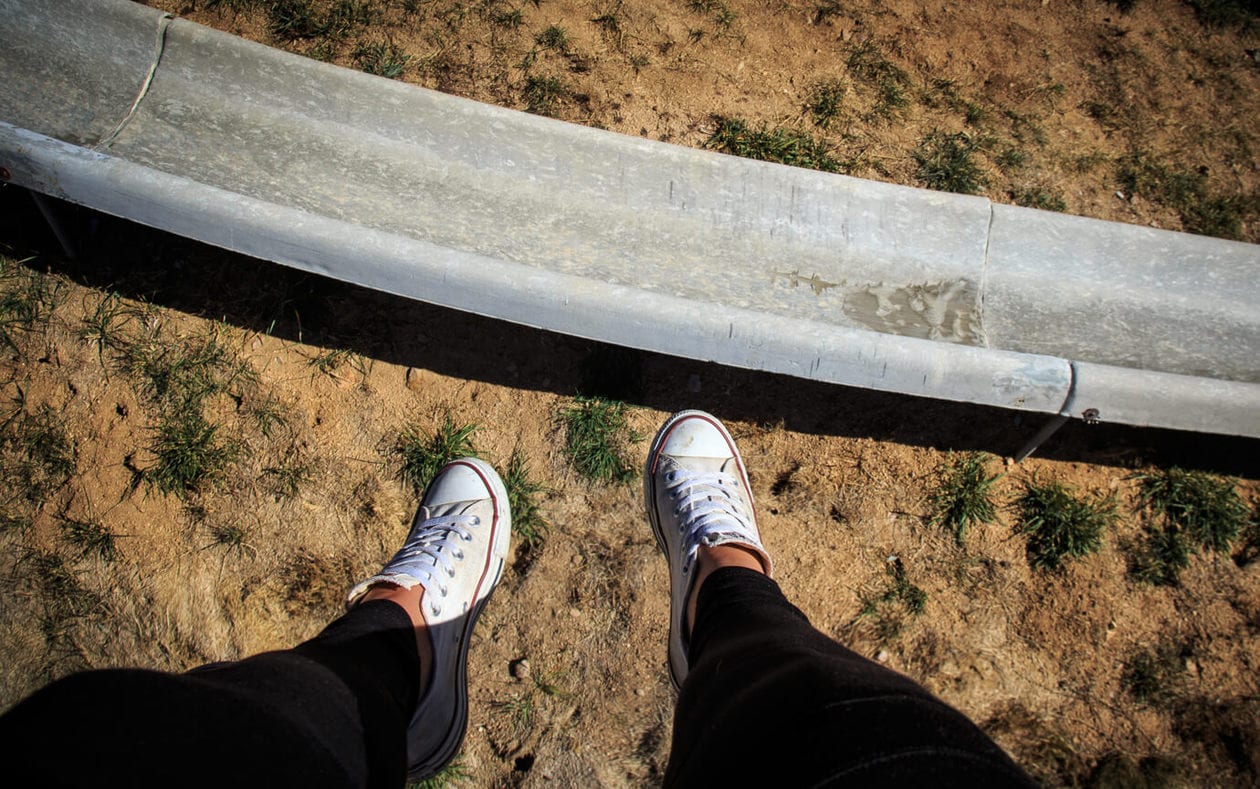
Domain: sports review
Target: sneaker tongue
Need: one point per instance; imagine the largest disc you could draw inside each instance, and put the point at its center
(447, 509)
(701, 463)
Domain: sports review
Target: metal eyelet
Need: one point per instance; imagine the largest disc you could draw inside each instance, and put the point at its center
(443, 590)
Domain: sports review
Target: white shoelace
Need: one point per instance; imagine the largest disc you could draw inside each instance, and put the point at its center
(430, 555)
(709, 507)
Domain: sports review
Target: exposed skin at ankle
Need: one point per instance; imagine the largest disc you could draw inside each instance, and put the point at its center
(709, 559)
(410, 601)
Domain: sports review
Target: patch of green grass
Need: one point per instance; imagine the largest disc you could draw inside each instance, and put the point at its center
(1161, 558)
(899, 601)
(554, 38)
(904, 592)
(508, 19)
(180, 374)
(890, 99)
(946, 163)
(520, 711)
(1188, 511)
(528, 524)
(542, 94)
(1153, 676)
(597, 439)
(188, 452)
(105, 326)
(1045, 199)
(345, 17)
(945, 92)
(723, 16)
(1059, 525)
(27, 299)
(1206, 508)
(293, 19)
(1188, 193)
(1011, 159)
(781, 145)
(450, 775)
(236, 5)
(382, 58)
(868, 64)
(963, 498)
(177, 377)
(90, 537)
(38, 457)
(825, 102)
(423, 454)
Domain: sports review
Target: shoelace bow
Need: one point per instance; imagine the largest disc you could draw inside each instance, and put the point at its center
(708, 504)
(433, 550)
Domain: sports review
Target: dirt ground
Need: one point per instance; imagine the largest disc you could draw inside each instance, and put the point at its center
(320, 378)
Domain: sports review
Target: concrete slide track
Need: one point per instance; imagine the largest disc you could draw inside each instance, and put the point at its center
(122, 108)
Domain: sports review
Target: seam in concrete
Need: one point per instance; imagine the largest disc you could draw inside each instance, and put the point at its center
(1069, 399)
(984, 280)
(164, 23)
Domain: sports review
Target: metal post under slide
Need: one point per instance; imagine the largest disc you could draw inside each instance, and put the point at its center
(49, 213)
(621, 239)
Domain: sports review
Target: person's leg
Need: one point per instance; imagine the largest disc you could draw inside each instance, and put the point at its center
(329, 713)
(343, 709)
(766, 698)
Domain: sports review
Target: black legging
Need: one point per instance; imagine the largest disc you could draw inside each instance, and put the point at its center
(332, 712)
(769, 701)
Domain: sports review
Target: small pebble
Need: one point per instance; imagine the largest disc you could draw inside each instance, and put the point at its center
(882, 656)
(415, 379)
(520, 668)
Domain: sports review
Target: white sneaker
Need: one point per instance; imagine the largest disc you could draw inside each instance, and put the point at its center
(697, 493)
(456, 550)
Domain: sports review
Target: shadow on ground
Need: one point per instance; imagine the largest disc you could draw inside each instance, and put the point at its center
(177, 273)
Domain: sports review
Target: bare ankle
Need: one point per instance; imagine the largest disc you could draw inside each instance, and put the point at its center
(410, 601)
(710, 558)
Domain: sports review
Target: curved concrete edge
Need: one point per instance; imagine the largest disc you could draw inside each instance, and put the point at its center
(1123, 295)
(716, 229)
(1149, 399)
(625, 240)
(572, 305)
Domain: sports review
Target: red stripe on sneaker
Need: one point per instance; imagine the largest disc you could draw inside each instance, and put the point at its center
(494, 527)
